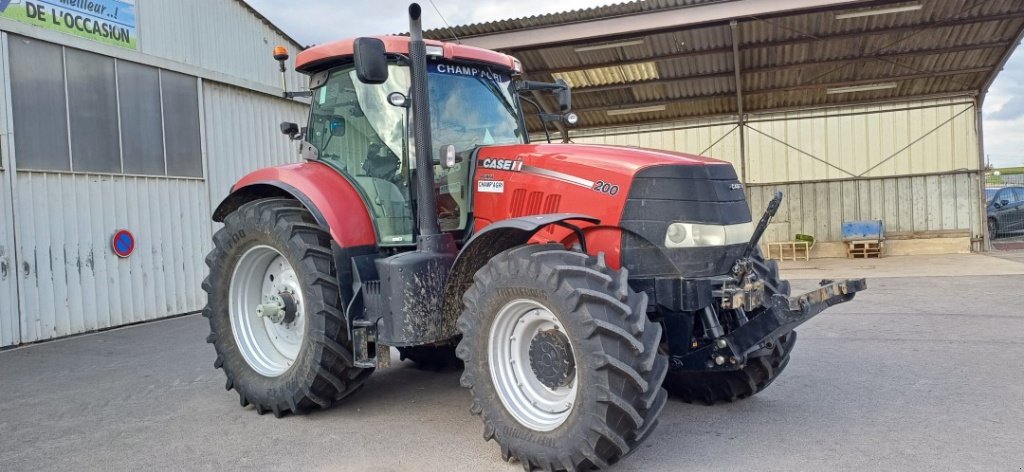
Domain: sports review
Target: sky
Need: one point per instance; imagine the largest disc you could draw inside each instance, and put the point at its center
(317, 21)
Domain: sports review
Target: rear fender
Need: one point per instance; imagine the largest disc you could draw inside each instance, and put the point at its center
(487, 243)
(329, 196)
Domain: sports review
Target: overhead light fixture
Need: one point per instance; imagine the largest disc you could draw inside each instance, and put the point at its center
(879, 11)
(630, 111)
(620, 44)
(861, 88)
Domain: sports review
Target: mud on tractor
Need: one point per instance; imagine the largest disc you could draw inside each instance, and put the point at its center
(580, 285)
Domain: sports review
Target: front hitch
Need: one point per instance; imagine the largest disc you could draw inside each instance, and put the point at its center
(780, 316)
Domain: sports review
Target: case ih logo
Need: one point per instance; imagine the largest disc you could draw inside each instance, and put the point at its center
(503, 164)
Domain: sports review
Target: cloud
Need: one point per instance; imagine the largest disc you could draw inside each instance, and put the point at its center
(1003, 115)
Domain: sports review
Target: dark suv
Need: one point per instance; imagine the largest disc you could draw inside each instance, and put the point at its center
(1005, 210)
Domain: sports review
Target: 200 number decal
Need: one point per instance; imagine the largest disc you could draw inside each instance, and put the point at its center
(605, 187)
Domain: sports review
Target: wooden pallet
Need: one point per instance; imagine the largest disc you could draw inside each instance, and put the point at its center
(863, 249)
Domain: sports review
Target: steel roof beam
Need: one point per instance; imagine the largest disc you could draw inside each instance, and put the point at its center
(749, 93)
(644, 22)
(798, 65)
(788, 42)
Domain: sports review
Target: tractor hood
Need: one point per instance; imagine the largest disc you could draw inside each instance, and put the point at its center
(638, 192)
(593, 160)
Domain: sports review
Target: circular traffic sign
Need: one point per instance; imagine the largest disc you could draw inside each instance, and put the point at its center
(123, 243)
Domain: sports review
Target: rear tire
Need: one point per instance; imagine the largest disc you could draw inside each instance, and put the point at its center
(993, 228)
(716, 387)
(602, 397)
(317, 371)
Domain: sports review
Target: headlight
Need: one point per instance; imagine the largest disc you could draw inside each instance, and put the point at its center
(698, 235)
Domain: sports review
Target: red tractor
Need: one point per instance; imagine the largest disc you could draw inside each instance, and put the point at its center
(578, 284)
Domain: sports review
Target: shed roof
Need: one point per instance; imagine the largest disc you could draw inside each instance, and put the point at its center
(629, 66)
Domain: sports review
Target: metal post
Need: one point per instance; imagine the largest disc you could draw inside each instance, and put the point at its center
(740, 118)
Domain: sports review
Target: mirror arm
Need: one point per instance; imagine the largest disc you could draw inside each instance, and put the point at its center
(540, 111)
(530, 85)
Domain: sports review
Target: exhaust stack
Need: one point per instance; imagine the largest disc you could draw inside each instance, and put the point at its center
(426, 203)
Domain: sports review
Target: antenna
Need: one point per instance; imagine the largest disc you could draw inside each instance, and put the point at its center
(450, 30)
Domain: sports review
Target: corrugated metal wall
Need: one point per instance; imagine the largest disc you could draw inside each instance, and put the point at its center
(917, 204)
(914, 165)
(217, 35)
(71, 282)
(870, 141)
(243, 134)
(69, 279)
(9, 330)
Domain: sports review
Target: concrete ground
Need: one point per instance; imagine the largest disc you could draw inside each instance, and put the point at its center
(921, 372)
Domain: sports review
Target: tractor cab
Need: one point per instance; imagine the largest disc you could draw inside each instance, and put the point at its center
(365, 130)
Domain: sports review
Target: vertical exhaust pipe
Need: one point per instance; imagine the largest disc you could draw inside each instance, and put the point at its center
(426, 200)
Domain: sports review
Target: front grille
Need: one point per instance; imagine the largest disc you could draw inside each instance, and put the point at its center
(661, 195)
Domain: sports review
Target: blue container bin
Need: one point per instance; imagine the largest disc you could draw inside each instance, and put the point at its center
(870, 230)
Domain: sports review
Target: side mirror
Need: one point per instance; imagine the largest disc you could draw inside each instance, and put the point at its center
(1003, 203)
(564, 96)
(371, 60)
(290, 129)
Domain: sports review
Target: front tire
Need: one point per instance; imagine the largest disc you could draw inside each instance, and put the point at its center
(561, 359)
(274, 308)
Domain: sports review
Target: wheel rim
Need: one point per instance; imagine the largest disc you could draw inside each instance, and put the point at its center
(515, 330)
(268, 343)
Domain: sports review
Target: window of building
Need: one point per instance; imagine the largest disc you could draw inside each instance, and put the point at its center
(83, 112)
(39, 104)
(181, 124)
(92, 107)
(142, 132)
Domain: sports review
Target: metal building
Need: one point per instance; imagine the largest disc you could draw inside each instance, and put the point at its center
(856, 109)
(124, 114)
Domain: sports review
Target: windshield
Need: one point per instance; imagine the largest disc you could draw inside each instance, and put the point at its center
(470, 106)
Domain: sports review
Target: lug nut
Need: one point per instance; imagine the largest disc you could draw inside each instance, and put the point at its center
(721, 343)
(719, 360)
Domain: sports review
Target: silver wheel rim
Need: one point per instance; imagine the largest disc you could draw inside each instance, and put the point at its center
(269, 347)
(532, 403)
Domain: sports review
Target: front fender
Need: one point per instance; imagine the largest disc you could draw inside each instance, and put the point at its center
(328, 195)
(493, 239)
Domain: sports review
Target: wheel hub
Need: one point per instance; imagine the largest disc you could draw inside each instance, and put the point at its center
(279, 308)
(551, 359)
